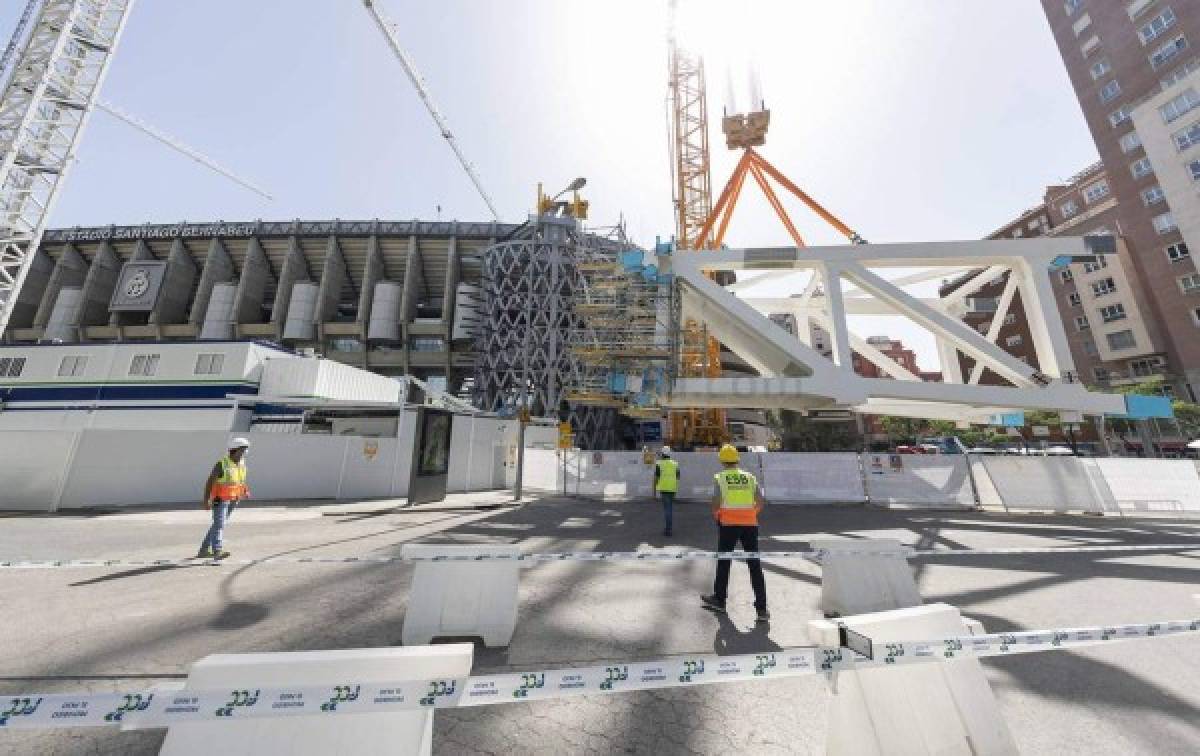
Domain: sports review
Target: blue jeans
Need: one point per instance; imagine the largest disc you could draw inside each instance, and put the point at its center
(221, 512)
(668, 504)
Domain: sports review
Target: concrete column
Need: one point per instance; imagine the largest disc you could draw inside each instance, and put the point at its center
(98, 287)
(252, 285)
(294, 269)
(70, 270)
(218, 268)
(450, 288)
(372, 274)
(412, 275)
(333, 278)
(172, 305)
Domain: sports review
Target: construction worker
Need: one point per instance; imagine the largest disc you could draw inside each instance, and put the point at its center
(666, 485)
(225, 487)
(736, 502)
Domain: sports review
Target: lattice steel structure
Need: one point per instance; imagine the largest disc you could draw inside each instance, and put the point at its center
(528, 323)
(43, 111)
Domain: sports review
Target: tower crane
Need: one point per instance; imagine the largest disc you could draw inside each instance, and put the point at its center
(418, 81)
(691, 173)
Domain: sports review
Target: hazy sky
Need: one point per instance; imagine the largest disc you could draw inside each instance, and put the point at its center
(910, 119)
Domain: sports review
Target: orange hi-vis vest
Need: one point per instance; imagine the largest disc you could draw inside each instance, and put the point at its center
(231, 486)
(737, 497)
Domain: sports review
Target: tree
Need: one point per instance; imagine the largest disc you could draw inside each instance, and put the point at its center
(1188, 417)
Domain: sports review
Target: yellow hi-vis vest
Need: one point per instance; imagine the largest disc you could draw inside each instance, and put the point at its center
(231, 486)
(668, 476)
(737, 497)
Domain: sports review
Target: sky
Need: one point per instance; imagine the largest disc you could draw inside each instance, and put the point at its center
(912, 120)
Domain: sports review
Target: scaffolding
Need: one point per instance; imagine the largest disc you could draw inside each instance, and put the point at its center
(625, 344)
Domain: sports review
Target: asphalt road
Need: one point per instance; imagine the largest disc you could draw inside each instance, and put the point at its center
(112, 628)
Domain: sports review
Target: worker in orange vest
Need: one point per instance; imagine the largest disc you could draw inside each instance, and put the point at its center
(225, 487)
(736, 502)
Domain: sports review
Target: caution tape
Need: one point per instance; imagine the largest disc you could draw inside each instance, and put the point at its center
(162, 708)
(580, 556)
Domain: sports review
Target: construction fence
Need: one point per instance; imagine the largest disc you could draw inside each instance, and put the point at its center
(1054, 484)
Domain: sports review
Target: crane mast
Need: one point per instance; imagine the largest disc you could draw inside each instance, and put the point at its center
(44, 108)
(699, 353)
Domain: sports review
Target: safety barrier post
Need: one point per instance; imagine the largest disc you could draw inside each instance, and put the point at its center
(864, 576)
(461, 597)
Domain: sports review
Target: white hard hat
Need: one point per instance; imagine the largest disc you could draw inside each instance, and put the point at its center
(239, 443)
(665, 451)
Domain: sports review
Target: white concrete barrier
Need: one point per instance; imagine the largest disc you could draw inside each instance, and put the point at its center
(408, 732)
(1152, 485)
(827, 478)
(942, 708)
(919, 481)
(854, 583)
(461, 599)
(1057, 484)
(35, 467)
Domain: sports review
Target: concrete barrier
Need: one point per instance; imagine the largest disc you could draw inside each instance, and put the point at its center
(1057, 484)
(461, 599)
(374, 733)
(942, 708)
(915, 481)
(854, 583)
(1152, 485)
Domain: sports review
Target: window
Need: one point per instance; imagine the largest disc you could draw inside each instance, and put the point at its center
(72, 366)
(1178, 251)
(144, 364)
(1178, 107)
(426, 344)
(11, 367)
(1146, 366)
(1092, 267)
(1187, 138)
(1110, 90)
(1190, 283)
(1130, 142)
(1081, 323)
(1082, 23)
(1069, 208)
(1070, 6)
(1121, 340)
(209, 364)
(1089, 347)
(1018, 233)
(1157, 26)
(1112, 313)
(1101, 373)
(1141, 168)
(1014, 340)
(1179, 74)
(1073, 298)
(1165, 223)
(1167, 52)
(1104, 286)
(1153, 195)
(1010, 318)
(1095, 192)
(1066, 275)
(1194, 167)
(1119, 116)
(1099, 68)
(1196, 315)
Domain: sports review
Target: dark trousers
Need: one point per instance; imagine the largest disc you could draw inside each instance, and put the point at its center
(668, 505)
(727, 539)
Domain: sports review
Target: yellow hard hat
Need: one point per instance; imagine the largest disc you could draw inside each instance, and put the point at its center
(728, 454)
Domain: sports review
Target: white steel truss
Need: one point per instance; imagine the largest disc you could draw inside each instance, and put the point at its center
(43, 111)
(845, 281)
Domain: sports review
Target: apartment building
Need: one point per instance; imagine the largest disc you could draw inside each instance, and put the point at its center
(1102, 308)
(1132, 65)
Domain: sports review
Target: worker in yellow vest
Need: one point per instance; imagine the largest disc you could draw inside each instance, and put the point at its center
(666, 485)
(225, 487)
(736, 502)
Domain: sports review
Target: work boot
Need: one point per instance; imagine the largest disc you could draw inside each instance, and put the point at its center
(204, 554)
(763, 616)
(711, 603)
(220, 554)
